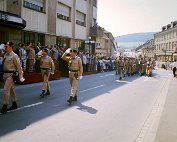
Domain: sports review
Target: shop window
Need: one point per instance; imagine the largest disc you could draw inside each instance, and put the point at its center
(41, 39)
(26, 37)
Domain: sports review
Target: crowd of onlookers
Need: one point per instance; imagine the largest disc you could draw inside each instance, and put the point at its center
(29, 55)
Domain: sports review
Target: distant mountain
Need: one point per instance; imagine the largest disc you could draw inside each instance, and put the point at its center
(135, 37)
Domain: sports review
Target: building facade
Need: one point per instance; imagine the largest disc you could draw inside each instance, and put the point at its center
(104, 41)
(166, 43)
(63, 22)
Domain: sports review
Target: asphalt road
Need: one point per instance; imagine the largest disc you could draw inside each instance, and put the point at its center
(107, 110)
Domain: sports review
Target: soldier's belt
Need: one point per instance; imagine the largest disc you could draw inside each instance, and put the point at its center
(45, 68)
(9, 71)
(74, 70)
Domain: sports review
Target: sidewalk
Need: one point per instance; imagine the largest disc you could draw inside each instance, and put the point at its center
(167, 129)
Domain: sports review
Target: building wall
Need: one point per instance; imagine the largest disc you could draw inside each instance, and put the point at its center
(95, 12)
(80, 32)
(81, 6)
(67, 2)
(64, 28)
(165, 43)
(103, 46)
(50, 39)
(51, 24)
(3, 5)
(35, 21)
(14, 7)
(47, 24)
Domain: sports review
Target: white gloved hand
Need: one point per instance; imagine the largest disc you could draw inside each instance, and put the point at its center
(68, 50)
(52, 73)
(22, 79)
(80, 77)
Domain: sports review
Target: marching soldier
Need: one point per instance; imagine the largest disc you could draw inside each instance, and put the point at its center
(125, 66)
(75, 71)
(130, 67)
(11, 66)
(142, 66)
(116, 65)
(149, 68)
(120, 67)
(47, 68)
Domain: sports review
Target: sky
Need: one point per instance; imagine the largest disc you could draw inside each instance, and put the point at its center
(121, 17)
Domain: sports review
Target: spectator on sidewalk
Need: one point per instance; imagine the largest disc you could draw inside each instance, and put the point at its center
(30, 56)
(174, 66)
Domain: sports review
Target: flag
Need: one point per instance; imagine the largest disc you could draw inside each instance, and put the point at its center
(117, 44)
(115, 47)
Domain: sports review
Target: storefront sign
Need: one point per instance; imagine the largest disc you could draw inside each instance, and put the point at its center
(10, 18)
(3, 16)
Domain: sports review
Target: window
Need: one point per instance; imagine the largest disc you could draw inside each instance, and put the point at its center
(63, 12)
(80, 18)
(98, 45)
(95, 3)
(37, 5)
(29, 37)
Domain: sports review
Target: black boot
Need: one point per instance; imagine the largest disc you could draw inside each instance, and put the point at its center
(75, 98)
(3, 109)
(47, 93)
(70, 99)
(14, 106)
(42, 94)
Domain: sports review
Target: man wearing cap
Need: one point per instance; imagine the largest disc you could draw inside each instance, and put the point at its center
(11, 65)
(75, 71)
(47, 68)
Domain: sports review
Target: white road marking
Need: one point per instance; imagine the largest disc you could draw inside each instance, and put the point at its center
(122, 81)
(27, 106)
(151, 80)
(107, 75)
(91, 88)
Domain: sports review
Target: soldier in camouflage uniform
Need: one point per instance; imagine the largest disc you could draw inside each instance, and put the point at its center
(142, 66)
(75, 71)
(125, 66)
(116, 65)
(149, 68)
(121, 67)
(130, 68)
(11, 66)
(47, 68)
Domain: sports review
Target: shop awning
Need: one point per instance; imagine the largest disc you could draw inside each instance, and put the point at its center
(11, 20)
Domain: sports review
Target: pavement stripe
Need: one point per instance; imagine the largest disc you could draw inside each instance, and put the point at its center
(27, 106)
(91, 88)
(107, 75)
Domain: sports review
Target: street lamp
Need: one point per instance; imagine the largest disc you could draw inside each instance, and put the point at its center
(89, 42)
